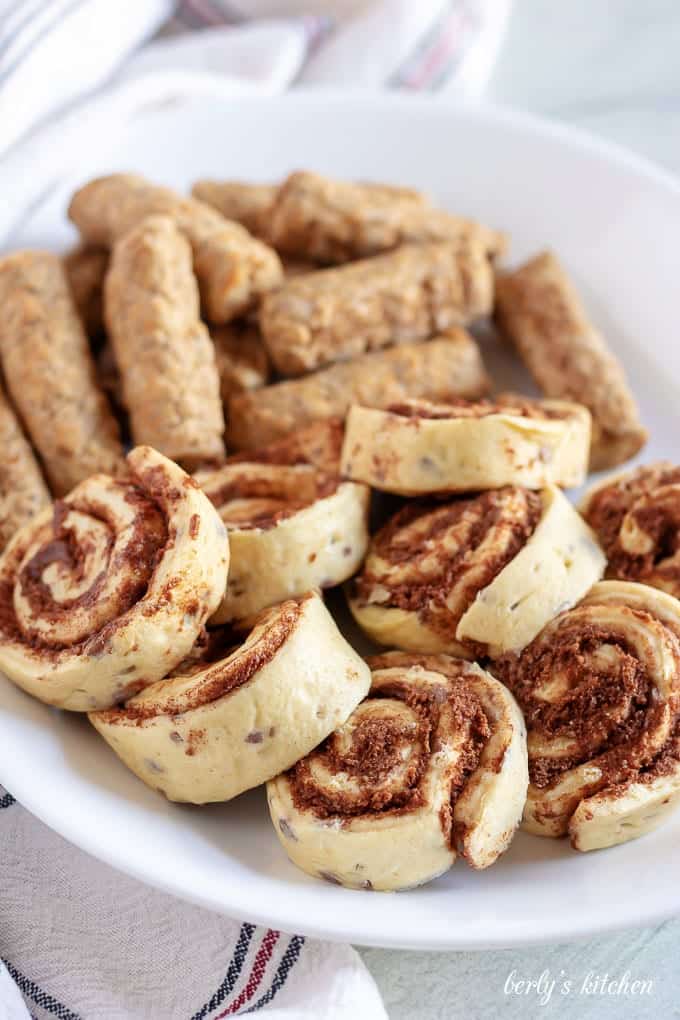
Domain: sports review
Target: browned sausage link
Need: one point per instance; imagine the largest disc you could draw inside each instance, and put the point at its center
(447, 366)
(334, 221)
(22, 489)
(164, 352)
(538, 308)
(233, 268)
(85, 269)
(50, 373)
(242, 360)
(407, 295)
(247, 204)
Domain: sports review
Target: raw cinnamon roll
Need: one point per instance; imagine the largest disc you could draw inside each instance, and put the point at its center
(292, 526)
(419, 447)
(477, 576)
(432, 764)
(109, 589)
(23, 492)
(233, 268)
(166, 358)
(600, 690)
(636, 516)
(50, 373)
(222, 727)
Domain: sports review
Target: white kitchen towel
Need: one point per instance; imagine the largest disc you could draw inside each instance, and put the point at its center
(83, 941)
(53, 52)
(77, 938)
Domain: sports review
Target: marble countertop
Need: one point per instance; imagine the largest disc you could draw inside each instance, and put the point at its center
(612, 69)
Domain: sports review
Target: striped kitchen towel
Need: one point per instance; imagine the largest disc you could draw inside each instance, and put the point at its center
(55, 52)
(79, 941)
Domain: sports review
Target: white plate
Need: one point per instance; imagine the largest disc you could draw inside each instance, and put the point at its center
(614, 220)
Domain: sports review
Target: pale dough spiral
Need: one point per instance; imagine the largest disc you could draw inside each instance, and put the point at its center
(600, 690)
(432, 764)
(293, 523)
(636, 516)
(108, 590)
(477, 576)
(221, 727)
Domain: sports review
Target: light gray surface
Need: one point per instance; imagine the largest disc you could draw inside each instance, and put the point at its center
(614, 69)
(476, 986)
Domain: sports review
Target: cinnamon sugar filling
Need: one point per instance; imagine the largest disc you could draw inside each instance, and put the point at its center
(388, 755)
(641, 497)
(430, 594)
(607, 712)
(68, 555)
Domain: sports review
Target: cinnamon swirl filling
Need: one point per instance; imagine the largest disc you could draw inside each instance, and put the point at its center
(600, 691)
(474, 576)
(636, 516)
(107, 591)
(432, 764)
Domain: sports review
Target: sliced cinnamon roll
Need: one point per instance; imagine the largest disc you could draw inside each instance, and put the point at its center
(220, 728)
(418, 447)
(107, 590)
(432, 764)
(636, 516)
(600, 690)
(477, 576)
(293, 523)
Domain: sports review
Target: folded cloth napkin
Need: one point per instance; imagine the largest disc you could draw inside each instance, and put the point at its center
(81, 940)
(53, 52)
(77, 938)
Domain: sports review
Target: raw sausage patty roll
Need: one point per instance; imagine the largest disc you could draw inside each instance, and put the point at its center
(419, 447)
(233, 268)
(477, 576)
(23, 492)
(407, 295)
(447, 366)
(539, 309)
(600, 690)
(292, 525)
(432, 764)
(109, 589)
(636, 516)
(50, 373)
(166, 358)
(223, 727)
